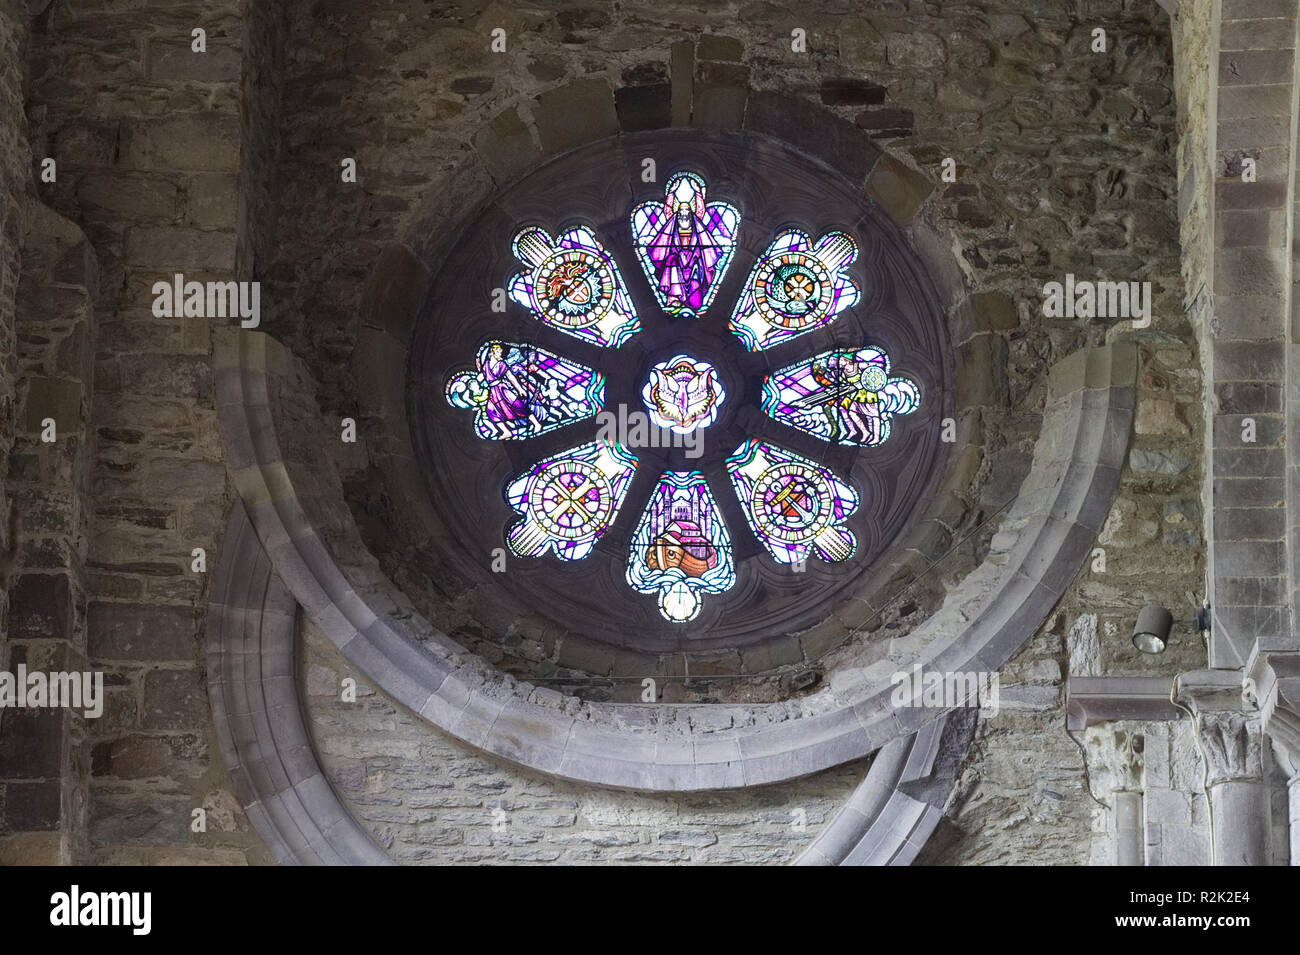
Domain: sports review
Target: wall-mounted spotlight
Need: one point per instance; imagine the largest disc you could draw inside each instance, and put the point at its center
(1154, 623)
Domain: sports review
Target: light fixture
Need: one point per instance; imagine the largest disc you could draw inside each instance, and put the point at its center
(1151, 632)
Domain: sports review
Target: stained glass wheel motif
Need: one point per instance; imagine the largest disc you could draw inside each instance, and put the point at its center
(572, 284)
(794, 287)
(845, 396)
(681, 549)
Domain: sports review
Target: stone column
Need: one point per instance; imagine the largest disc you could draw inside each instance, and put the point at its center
(1275, 676)
(1232, 745)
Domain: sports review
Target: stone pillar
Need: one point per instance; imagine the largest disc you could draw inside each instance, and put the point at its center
(1130, 844)
(1232, 745)
(1275, 677)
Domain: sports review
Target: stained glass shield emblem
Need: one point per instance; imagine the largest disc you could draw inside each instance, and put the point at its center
(685, 244)
(795, 287)
(571, 283)
(568, 501)
(794, 506)
(520, 391)
(681, 549)
(844, 396)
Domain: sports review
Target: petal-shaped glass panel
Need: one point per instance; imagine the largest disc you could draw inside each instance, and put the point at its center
(793, 505)
(571, 283)
(568, 501)
(521, 391)
(845, 396)
(681, 549)
(685, 244)
(795, 287)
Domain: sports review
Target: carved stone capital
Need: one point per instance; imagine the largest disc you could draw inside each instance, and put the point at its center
(1232, 744)
(1275, 679)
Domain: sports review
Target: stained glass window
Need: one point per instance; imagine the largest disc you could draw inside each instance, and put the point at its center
(685, 244)
(572, 284)
(680, 549)
(683, 394)
(793, 505)
(845, 396)
(568, 501)
(794, 287)
(521, 391)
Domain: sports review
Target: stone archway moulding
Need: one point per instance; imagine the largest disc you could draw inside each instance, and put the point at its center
(295, 505)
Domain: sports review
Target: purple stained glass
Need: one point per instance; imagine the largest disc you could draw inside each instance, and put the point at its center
(685, 244)
(681, 549)
(568, 501)
(795, 287)
(793, 505)
(520, 391)
(846, 396)
(571, 283)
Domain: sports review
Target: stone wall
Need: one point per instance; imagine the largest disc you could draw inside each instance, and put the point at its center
(1066, 163)
(146, 134)
(432, 800)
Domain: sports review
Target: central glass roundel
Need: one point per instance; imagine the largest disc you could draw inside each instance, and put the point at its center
(796, 503)
(683, 394)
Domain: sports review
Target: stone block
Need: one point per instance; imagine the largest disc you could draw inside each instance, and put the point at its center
(180, 249)
(721, 90)
(714, 47)
(1257, 9)
(40, 607)
(1254, 317)
(1249, 361)
(144, 197)
(170, 61)
(1251, 558)
(1249, 523)
(852, 92)
(1253, 133)
(886, 122)
(643, 107)
(898, 189)
(681, 76)
(31, 806)
(393, 292)
(506, 146)
(57, 398)
(575, 114)
(1249, 101)
(837, 142)
(128, 631)
(981, 374)
(211, 200)
(174, 700)
(206, 142)
(1235, 194)
(182, 756)
(1251, 271)
(994, 312)
(31, 743)
(1245, 228)
(915, 50)
(170, 376)
(1255, 67)
(155, 821)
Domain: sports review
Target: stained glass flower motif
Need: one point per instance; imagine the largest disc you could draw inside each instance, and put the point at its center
(793, 505)
(794, 287)
(680, 549)
(520, 391)
(685, 244)
(844, 396)
(572, 284)
(568, 501)
(683, 394)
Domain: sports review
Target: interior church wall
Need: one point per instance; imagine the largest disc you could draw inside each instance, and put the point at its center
(1067, 163)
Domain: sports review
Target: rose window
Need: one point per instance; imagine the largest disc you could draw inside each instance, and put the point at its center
(681, 550)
